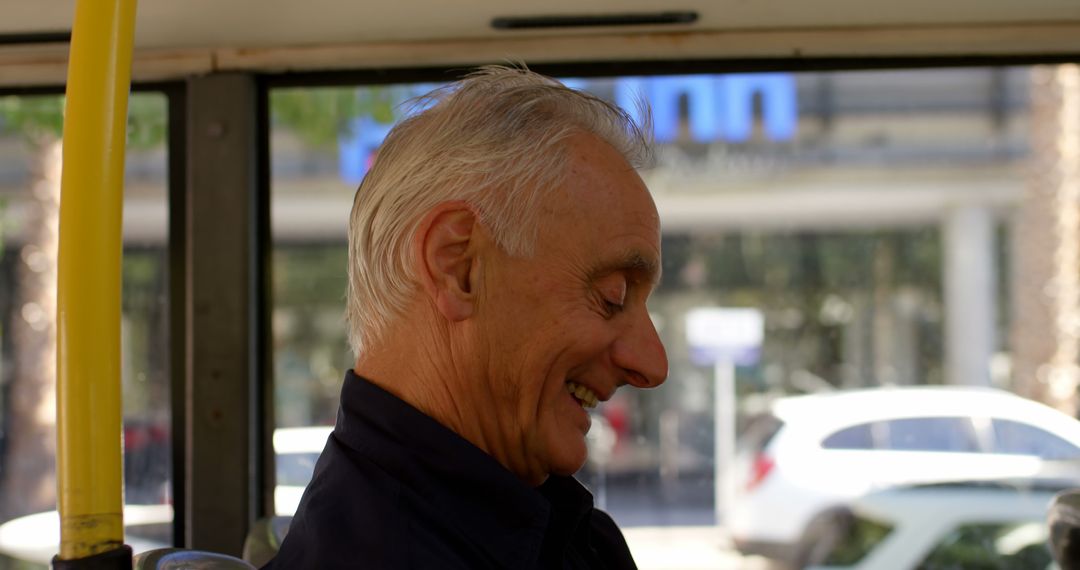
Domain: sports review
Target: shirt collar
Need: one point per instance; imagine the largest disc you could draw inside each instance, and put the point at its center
(496, 510)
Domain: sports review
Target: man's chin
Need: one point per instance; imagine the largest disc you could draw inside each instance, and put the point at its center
(568, 462)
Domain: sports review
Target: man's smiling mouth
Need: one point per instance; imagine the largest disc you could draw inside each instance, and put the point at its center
(584, 396)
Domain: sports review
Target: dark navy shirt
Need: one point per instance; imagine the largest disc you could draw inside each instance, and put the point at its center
(394, 489)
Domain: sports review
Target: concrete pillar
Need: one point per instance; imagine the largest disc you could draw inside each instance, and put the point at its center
(970, 294)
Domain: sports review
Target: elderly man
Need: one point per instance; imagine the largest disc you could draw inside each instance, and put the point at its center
(501, 251)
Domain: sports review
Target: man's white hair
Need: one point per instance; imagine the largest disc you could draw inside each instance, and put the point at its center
(493, 140)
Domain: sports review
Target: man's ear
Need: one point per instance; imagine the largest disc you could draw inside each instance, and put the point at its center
(445, 248)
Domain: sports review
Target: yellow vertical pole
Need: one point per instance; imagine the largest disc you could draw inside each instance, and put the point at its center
(89, 460)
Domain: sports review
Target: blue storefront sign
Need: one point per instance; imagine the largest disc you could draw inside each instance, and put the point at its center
(719, 108)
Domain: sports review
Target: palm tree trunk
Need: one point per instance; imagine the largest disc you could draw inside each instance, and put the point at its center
(1046, 279)
(29, 475)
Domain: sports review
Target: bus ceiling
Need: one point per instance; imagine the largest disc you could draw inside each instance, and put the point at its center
(180, 39)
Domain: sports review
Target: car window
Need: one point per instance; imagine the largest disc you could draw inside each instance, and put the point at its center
(1024, 439)
(760, 431)
(296, 469)
(854, 437)
(1015, 546)
(931, 434)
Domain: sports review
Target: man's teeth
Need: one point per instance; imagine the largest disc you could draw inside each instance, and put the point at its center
(585, 396)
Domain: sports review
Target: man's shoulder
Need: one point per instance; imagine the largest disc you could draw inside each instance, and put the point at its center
(348, 482)
(350, 508)
(609, 542)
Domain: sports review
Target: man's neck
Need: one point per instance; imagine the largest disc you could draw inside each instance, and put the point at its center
(423, 372)
(418, 369)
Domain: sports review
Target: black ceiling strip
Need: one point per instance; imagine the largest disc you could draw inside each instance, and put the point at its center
(61, 37)
(593, 20)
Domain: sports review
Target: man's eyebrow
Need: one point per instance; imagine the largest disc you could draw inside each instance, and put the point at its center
(635, 262)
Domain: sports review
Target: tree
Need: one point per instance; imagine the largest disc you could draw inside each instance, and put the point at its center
(1046, 298)
(320, 115)
(28, 470)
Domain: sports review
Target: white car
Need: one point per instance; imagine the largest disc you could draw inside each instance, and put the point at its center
(814, 453)
(937, 527)
(297, 450)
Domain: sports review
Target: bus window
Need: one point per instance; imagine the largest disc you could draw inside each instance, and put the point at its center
(834, 206)
(30, 165)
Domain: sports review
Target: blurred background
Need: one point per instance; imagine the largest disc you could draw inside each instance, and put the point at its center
(824, 233)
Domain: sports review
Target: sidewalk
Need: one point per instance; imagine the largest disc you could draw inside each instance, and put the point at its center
(688, 548)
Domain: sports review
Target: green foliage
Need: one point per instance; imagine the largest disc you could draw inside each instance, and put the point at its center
(855, 540)
(815, 288)
(38, 118)
(976, 547)
(319, 116)
(143, 271)
(309, 276)
(826, 262)
(3, 206)
(147, 121)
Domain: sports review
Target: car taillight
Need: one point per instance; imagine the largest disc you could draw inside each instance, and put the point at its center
(763, 465)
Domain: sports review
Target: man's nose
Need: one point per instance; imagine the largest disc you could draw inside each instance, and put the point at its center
(641, 355)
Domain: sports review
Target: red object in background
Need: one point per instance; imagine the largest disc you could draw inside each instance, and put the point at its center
(140, 436)
(763, 465)
(617, 414)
